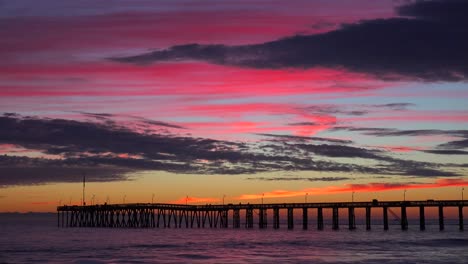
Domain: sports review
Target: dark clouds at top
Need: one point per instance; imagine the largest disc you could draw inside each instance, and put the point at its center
(427, 42)
(111, 152)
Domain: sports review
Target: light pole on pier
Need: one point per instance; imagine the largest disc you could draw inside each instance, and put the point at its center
(306, 197)
(352, 196)
(463, 189)
(262, 197)
(92, 199)
(224, 196)
(404, 195)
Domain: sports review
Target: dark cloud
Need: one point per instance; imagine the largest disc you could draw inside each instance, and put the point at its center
(340, 151)
(390, 132)
(303, 124)
(428, 42)
(457, 144)
(425, 172)
(317, 179)
(445, 11)
(108, 118)
(446, 152)
(333, 109)
(110, 151)
(160, 123)
(30, 171)
(302, 138)
(394, 106)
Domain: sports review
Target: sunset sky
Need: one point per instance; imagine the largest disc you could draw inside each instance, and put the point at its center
(242, 100)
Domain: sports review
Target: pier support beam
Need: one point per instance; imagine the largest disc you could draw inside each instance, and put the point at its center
(404, 219)
(460, 217)
(290, 218)
(336, 224)
(441, 217)
(368, 218)
(224, 219)
(385, 218)
(236, 218)
(276, 218)
(422, 219)
(351, 219)
(320, 218)
(305, 222)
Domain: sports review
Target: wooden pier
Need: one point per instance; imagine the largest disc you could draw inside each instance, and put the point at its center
(156, 215)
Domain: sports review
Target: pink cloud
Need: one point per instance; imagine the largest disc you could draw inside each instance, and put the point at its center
(176, 79)
(157, 28)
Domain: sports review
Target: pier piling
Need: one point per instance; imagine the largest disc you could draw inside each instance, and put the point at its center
(320, 218)
(305, 223)
(422, 220)
(275, 217)
(249, 217)
(351, 218)
(441, 217)
(460, 217)
(404, 218)
(335, 218)
(290, 218)
(368, 218)
(385, 217)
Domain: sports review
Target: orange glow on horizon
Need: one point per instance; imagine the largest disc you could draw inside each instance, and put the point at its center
(370, 187)
(188, 199)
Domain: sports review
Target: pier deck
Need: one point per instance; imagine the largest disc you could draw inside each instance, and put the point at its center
(159, 215)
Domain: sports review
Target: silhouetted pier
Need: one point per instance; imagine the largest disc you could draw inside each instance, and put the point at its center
(157, 215)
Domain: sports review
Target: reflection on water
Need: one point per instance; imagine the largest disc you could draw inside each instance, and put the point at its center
(35, 238)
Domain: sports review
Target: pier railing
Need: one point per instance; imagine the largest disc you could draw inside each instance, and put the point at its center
(159, 215)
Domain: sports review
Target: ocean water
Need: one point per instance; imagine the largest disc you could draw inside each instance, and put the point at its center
(34, 238)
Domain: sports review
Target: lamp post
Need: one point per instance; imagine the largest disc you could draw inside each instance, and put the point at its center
(262, 197)
(352, 196)
(462, 190)
(404, 195)
(92, 199)
(224, 196)
(306, 197)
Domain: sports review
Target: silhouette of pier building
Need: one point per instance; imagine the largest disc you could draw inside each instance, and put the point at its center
(158, 215)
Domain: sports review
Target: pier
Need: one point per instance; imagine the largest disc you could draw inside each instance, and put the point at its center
(158, 215)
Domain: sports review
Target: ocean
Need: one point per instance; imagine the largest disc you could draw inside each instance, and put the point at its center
(35, 238)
